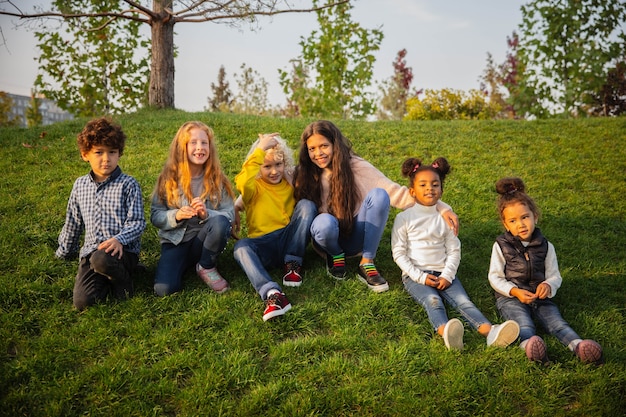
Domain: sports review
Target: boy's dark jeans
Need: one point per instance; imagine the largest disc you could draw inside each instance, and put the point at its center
(100, 274)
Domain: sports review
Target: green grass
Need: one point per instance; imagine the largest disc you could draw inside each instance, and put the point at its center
(342, 350)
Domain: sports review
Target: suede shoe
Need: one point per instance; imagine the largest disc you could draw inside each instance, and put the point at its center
(292, 277)
(370, 276)
(589, 351)
(276, 305)
(212, 278)
(536, 350)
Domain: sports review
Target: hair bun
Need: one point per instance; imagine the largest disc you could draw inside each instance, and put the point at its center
(510, 185)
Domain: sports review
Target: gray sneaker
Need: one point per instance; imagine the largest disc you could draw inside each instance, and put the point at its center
(504, 334)
(453, 334)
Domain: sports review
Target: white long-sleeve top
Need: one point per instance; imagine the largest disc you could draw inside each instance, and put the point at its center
(422, 241)
(501, 285)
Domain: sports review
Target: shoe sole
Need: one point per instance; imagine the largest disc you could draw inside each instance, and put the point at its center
(277, 313)
(453, 334)
(507, 334)
(536, 351)
(343, 278)
(292, 283)
(376, 288)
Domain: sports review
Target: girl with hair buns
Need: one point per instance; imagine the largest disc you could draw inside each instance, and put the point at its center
(192, 206)
(352, 197)
(428, 253)
(524, 273)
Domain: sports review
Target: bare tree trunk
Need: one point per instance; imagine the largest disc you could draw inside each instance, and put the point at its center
(161, 93)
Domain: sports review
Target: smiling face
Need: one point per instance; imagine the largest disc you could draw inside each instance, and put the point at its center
(103, 161)
(519, 220)
(426, 188)
(320, 150)
(272, 170)
(197, 148)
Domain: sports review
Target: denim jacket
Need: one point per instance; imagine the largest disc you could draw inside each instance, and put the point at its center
(173, 231)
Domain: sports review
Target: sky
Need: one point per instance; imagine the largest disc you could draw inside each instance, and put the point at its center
(447, 42)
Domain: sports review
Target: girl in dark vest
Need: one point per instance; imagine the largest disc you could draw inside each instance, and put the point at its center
(524, 273)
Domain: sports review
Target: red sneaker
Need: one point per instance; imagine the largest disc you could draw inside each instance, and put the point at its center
(277, 304)
(292, 277)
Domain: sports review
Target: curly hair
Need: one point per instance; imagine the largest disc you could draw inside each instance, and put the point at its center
(512, 190)
(412, 166)
(101, 132)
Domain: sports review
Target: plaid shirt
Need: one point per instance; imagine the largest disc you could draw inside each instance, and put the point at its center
(113, 208)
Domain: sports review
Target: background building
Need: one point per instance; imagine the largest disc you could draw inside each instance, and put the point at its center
(50, 112)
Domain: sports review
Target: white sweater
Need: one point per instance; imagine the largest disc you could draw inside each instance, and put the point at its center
(422, 241)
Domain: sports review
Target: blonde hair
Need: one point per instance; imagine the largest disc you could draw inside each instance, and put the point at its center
(280, 152)
(175, 178)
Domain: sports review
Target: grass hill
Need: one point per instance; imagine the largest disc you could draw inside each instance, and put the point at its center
(342, 350)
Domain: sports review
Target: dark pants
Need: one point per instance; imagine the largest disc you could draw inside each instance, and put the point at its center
(100, 275)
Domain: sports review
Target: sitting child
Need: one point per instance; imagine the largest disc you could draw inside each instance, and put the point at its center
(278, 228)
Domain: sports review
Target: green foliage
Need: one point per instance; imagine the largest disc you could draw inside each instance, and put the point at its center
(6, 103)
(33, 114)
(568, 48)
(221, 99)
(331, 76)
(92, 66)
(449, 104)
(251, 97)
(341, 350)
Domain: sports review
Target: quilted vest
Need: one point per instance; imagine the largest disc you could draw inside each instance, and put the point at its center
(524, 265)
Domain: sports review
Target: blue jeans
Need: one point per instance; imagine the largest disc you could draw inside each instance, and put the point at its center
(202, 249)
(255, 255)
(432, 300)
(368, 228)
(545, 311)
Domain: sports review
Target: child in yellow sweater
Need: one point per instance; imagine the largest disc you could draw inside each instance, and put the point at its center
(278, 228)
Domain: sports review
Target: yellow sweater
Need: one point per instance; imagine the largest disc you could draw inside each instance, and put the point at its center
(268, 206)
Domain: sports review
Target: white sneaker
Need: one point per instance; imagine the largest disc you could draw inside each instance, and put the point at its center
(504, 334)
(453, 334)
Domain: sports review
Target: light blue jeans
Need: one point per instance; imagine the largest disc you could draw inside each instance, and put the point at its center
(369, 225)
(255, 255)
(203, 249)
(545, 311)
(432, 300)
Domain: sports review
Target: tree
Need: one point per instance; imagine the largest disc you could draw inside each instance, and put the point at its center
(92, 72)
(251, 96)
(340, 57)
(395, 90)
(6, 104)
(221, 99)
(33, 114)
(568, 47)
(611, 99)
(162, 18)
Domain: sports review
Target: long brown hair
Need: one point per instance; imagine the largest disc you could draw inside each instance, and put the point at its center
(175, 177)
(343, 199)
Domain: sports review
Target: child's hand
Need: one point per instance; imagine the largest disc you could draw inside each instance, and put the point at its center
(432, 281)
(185, 213)
(267, 141)
(443, 283)
(524, 296)
(543, 291)
(198, 205)
(113, 247)
(453, 221)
